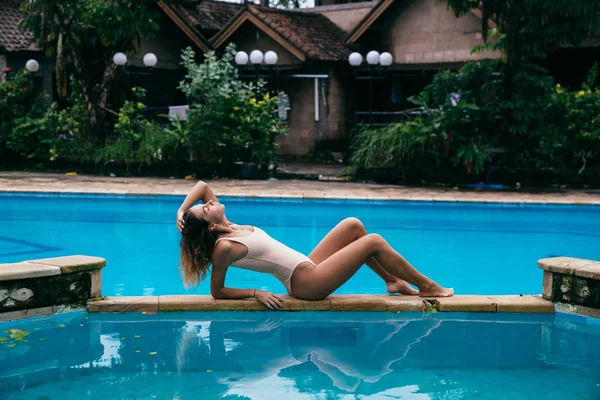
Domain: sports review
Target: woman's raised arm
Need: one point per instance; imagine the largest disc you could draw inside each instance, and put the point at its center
(200, 192)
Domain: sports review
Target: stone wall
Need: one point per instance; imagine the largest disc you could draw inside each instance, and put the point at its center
(573, 284)
(427, 32)
(48, 286)
(301, 117)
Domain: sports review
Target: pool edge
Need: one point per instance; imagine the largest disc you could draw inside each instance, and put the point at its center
(357, 302)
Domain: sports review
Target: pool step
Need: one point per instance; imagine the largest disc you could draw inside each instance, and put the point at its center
(356, 302)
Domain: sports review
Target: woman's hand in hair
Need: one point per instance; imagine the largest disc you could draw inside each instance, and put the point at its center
(269, 299)
(180, 220)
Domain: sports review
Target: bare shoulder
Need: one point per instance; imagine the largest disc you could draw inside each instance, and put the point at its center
(223, 251)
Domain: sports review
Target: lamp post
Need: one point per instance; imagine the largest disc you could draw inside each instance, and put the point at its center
(374, 59)
(256, 58)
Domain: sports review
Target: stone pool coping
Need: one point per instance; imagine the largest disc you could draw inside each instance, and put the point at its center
(60, 183)
(351, 302)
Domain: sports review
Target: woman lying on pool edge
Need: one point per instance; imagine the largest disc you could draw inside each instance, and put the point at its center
(207, 237)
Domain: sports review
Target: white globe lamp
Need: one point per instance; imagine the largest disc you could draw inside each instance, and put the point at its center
(372, 57)
(355, 59)
(385, 59)
(256, 57)
(120, 59)
(32, 66)
(271, 57)
(241, 58)
(150, 60)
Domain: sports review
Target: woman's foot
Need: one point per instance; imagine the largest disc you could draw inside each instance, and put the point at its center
(435, 290)
(399, 286)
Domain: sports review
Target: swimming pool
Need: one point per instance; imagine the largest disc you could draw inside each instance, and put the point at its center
(303, 355)
(474, 247)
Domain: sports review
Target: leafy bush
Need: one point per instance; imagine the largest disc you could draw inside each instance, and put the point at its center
(467, 126)
(25, 128)
(580, 142)
(230, 120)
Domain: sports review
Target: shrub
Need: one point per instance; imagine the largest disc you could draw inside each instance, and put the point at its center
(230, 120)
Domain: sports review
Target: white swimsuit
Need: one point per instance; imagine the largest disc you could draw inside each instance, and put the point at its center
(266, 254)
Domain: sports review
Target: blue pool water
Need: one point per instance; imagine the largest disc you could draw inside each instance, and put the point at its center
(475, 248)
(304, 355)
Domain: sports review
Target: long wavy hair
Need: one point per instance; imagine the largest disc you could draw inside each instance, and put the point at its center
(196, 248)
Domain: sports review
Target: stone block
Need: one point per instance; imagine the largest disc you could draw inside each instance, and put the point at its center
(522, 304)
(24, 270)
(96, 290)
(124, 304)
(565, 265)
(463, 304)
(21, 314)
(405, 303)
(575, 290)
(357, 302)
(186, 303)
(292, 304)
(590, 271)
(547, 285)
(577, 309)
(70, 264)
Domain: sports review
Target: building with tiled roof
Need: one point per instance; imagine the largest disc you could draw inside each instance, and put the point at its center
(327, 96)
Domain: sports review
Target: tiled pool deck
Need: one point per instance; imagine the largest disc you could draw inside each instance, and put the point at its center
(48, 182)
(60, 183)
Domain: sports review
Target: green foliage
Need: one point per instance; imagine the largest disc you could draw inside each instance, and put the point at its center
(230, 120)
(25, 128)
(396, 152)
(535, 27)
(83, 36)
(137, 140)
(469, 125)
(131, 121)
(580, 142)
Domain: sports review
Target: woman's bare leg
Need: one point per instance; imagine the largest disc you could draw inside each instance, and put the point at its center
(346, 232)
(320, 281)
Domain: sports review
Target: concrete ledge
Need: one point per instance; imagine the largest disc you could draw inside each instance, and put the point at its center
(125, 304)
(464, 303)
(349, 302)
(522, 304)
(49, 267)
(70, 264)
(574, 281)
(358, 302)
(577, 310)
(37, 312)
(405, 303)
(24, 270)
(571, 266)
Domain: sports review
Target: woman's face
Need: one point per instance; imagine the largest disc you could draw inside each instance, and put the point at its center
(211, 211)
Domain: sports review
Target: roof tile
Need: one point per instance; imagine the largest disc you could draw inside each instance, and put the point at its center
(11, 38)
(314, 34)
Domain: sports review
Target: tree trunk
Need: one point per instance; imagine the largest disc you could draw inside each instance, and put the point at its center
(96, 103)
(512, 50)
(108, 77)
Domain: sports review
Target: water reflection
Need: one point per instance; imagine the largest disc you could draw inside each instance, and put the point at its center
(306, 355)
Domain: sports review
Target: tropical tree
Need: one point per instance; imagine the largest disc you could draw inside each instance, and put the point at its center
(83, 36)
(530, 29)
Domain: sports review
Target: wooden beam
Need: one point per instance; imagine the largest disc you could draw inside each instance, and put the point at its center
(226, 33)
(195, 37)
(368, 21)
